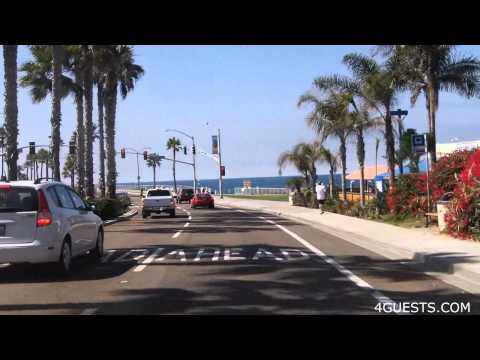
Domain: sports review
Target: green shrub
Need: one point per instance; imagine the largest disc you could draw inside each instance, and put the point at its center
(108, 208)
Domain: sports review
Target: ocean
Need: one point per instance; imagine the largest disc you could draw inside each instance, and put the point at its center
(229, 184)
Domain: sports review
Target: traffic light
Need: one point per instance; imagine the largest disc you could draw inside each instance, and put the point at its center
(32, 147)
(72, 148)
(193, 150)
(184, 150)
(122, 153)
(222, 170)
(145, 155)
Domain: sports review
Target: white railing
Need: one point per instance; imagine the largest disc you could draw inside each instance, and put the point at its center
(260, 191)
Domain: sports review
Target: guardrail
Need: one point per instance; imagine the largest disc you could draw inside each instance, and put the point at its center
(260, 191)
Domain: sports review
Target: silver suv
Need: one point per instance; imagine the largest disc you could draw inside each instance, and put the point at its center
(46, 223)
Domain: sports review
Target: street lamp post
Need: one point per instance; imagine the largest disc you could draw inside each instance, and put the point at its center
(193, 156)
(220, 164)
(138, 163)
(399, 113)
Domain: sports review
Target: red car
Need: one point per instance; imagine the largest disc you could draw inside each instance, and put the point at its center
(202, 200)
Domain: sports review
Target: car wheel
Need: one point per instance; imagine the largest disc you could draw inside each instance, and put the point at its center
(99, 249)
(211, 207)
(64, 264)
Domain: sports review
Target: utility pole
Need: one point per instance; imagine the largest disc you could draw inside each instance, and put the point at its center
(194, 167)
(399, 113)
(220, 165)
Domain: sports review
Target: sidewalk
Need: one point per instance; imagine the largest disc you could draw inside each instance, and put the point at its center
(454, 261)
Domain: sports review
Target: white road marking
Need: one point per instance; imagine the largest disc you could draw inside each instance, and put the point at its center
(189, 218)
(285, 252)
(232, 254)
(223, 207)
(344, 271)
(107, 256)
(174, 252)
(89, 311)
(177, 234)
(124, 257)
(4, 265)
(147, 260)
(261, 251)
(216, 255)
(199, 254)
(186, 224)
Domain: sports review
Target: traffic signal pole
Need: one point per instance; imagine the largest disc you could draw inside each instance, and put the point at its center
(220, 166)
(194, 168)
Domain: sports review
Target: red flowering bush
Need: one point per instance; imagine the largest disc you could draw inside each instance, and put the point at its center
(463, 217)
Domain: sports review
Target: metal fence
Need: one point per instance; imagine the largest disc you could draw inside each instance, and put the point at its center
(260, 191)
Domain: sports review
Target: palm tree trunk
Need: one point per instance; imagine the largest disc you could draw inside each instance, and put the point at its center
(11, 108)
(72, 177)
(343, 159)
(110, 110)
(431, 126)
(314, 182)
(41, 169)
(101, 137)
(88, 95)
(80, 140)
(361, 163)
(154, 177)
(174, 178)
(390, 146)
(331, 183)
(56, 108)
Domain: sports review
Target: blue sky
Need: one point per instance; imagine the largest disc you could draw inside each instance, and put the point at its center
(250, 92)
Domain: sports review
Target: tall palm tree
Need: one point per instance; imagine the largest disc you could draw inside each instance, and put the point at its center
(57, 65)
(331, 117)
(429, 69)
(116, 62)
(87, 59)
(40, 76)
(153, 161)
(42, 156)
(305, 156)
(332, 161)
(69, 169)
(99, 81)
(295, 158)
(11, 108)
(174, 145)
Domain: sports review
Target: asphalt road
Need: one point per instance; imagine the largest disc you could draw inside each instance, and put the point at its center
(227, 261)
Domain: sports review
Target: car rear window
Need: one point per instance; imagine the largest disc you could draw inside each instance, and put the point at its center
(158, 193)
(16, 199)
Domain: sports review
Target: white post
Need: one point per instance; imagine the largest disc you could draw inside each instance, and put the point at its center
(428, 175)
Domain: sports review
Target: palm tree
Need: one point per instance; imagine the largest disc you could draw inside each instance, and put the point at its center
(57, 61)
(330, 117)
(44, 76)
(429, 69)
(305, 156)
(11, 108)
(153, 161)
(332, 161)
(116, 63)
(42, 157)
(99, 81)
(295, 158)
(174, 145)
(69, 169)
(87, 60)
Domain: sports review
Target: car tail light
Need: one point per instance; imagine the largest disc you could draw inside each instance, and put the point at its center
(44, 216)
(5, 186)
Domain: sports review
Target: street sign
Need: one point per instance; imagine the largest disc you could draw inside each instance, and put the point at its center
(418, 144)
(214, 144)
(222, 170)
(399, 112)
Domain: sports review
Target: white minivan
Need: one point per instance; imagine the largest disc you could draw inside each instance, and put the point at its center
(46, 222)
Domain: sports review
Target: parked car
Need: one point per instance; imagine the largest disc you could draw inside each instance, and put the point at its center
(46, 223)
(158, 201)
(202, 200)
(185, 195)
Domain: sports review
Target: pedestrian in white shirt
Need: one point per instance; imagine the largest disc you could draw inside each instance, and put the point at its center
(321, 191)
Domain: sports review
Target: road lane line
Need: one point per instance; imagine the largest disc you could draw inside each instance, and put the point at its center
(216, 255)
(177, 234)
(89, 311)
(189, 218)
(340, 268)
(199, 254)
(108, 255)
(147, 260)
(186, 224)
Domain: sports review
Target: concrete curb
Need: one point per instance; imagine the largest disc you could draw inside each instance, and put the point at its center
(123, 217)
(430, 263)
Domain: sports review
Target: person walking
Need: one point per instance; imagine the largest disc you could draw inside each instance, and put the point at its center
(321, 191)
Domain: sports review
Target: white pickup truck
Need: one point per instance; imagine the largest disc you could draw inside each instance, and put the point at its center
(158, 201)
